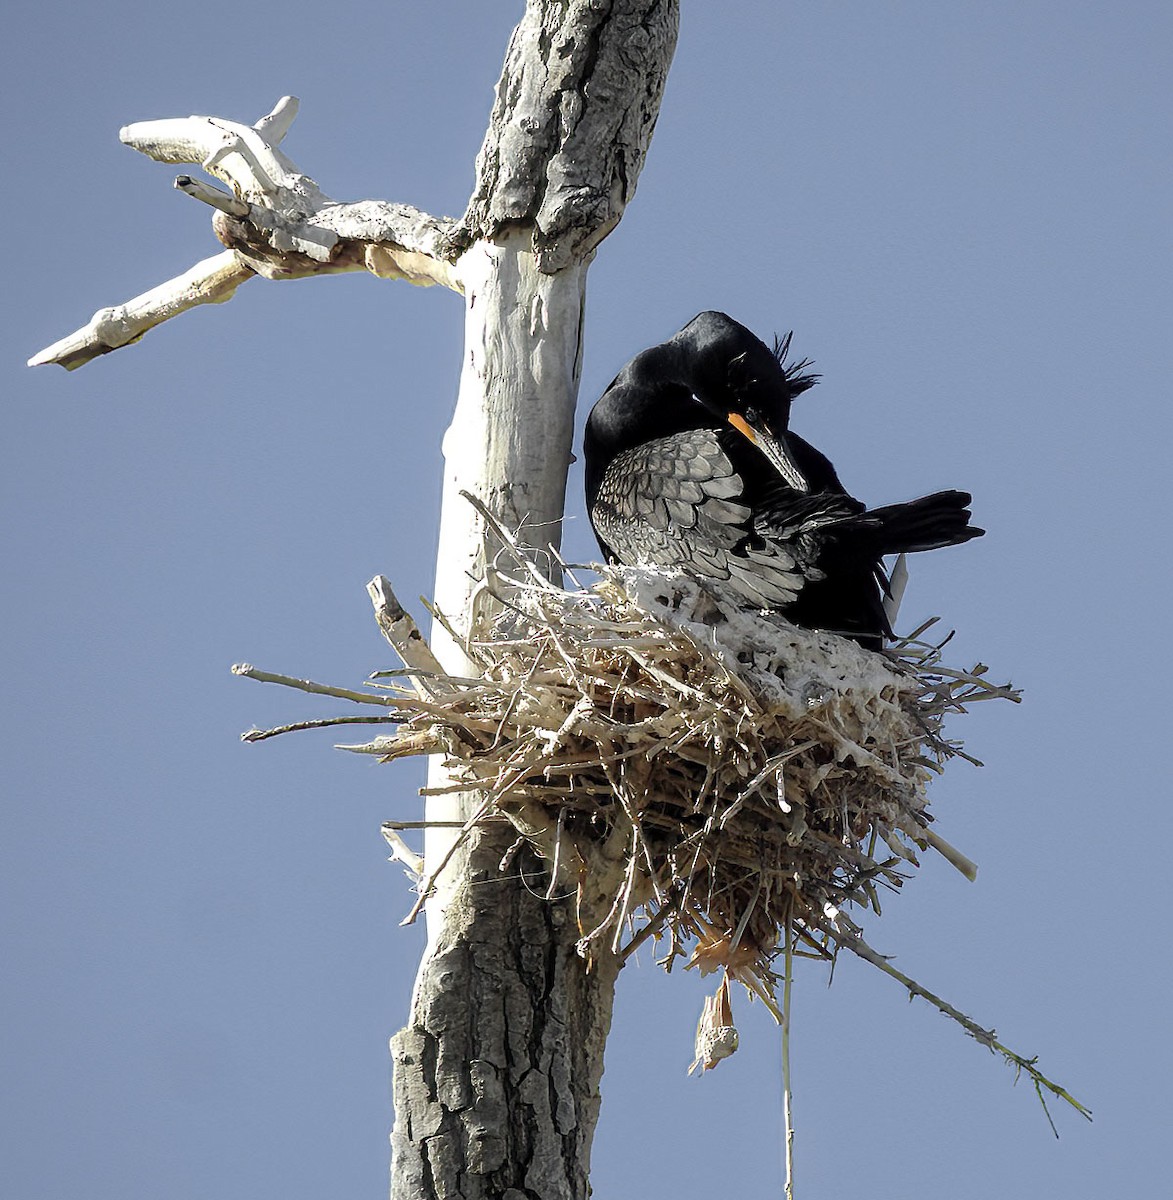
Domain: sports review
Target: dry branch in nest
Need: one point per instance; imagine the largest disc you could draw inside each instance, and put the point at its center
(720, 780)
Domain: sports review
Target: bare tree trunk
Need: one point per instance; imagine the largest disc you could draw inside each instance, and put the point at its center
(497, 1074)
(509, 445)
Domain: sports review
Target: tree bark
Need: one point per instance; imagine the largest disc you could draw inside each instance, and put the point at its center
(576, 105)
(497, 1076)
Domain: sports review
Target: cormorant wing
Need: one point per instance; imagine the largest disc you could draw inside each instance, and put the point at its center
(676, 502)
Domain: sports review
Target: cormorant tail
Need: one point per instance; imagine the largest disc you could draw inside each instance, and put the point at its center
(929, 523)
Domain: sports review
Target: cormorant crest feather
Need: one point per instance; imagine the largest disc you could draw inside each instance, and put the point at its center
(794, 372)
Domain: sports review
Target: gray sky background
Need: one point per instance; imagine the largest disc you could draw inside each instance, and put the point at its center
(962, 210)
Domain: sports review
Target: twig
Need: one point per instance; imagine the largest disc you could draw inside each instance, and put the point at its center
(966, 866)
(403, 744)
(404, 637)
(226, 202)
(666, 910)
(423, 824)
(987, 1037)
(259, 735)
(248, 671)
(787, 1091)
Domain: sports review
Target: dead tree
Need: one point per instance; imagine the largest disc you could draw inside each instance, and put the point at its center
(497, 1072)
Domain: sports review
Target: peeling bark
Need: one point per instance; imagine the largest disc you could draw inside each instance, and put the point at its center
(576, 106)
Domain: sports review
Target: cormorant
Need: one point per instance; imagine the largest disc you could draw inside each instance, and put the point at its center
(691, 465)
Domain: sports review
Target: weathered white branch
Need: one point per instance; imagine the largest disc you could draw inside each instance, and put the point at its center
(276, 222)
(275, 125)
(237, 154)
(209, 282)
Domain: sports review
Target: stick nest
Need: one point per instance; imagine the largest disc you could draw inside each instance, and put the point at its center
(717, 779)
(720, 777)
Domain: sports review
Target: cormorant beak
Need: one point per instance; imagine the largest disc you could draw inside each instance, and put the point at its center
(772, 446)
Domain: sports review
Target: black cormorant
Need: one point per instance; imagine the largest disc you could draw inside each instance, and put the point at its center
(691, 465)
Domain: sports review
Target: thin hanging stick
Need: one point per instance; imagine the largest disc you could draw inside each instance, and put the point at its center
(787, 1094)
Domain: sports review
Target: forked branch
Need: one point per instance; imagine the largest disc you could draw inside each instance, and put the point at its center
(276, 222)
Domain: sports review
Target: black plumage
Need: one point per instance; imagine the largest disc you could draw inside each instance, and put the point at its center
(691, 465)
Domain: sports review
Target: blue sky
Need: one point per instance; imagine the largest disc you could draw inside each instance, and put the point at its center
(961, 210)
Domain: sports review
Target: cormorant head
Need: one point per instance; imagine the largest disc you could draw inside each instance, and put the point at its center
(713, 371)
(737, 378)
